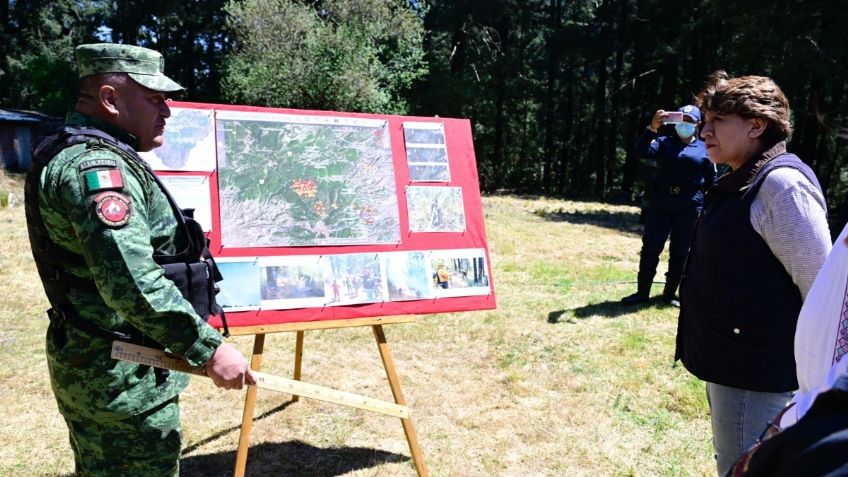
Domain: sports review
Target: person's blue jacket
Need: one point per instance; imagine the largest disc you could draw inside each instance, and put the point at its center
(683, 171)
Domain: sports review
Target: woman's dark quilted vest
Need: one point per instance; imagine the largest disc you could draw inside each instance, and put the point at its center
(739, 306)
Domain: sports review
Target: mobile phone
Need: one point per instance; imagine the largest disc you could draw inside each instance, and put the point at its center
(673, 117)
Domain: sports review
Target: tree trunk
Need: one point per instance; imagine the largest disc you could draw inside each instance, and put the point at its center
(566, 156)
(809, 130)
(499, 156)
(669, 91)
(832, 159)
(457, 55)
(524, 164)
(553, 49)
(637, 103)
(615, 93)
(5, 43)
(4, 17)
(124, 25)
(597, 152)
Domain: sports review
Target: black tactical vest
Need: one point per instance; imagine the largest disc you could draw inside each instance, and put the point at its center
(192, 270)
(739, 304)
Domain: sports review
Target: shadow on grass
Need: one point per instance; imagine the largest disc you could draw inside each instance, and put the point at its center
(621, 221)
(291, 459)
(220, 434)
(284, 459)
(607, 309)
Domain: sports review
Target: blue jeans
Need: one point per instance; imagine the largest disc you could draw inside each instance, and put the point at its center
(739, 417)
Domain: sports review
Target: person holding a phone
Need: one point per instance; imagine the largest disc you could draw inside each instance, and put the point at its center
(683, 172)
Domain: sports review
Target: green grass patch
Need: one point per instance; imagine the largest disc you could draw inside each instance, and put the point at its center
(559, 380)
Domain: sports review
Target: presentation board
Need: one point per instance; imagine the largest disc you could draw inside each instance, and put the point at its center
(317, 215)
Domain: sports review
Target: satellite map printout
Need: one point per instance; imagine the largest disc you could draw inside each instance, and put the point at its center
(291, 180)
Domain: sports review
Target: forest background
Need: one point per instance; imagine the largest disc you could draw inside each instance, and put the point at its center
(557, 90)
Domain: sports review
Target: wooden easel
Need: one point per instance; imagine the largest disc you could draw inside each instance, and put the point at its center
(376, 325)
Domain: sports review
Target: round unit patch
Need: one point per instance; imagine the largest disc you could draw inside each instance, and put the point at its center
(113, 209)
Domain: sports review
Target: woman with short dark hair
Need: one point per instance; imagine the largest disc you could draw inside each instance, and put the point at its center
(755, 251)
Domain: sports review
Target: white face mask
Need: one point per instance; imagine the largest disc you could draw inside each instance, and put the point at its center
(685, 130)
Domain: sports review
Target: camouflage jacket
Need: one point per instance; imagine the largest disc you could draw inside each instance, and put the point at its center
(131, 287)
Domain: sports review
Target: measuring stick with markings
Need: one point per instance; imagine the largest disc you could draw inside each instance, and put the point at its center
(160, 359)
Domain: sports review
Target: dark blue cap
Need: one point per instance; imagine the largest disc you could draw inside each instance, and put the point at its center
(691, 111)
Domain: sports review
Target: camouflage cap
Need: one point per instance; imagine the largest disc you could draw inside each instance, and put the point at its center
(145, 66)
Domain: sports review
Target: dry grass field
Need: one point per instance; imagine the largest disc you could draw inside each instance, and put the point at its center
(560, 380)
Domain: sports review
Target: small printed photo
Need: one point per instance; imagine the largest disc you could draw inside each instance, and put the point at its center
(423, 133)
(240, 289)
(407, 276)
(459, 272)
(435, 209)
(427, 163)
(353, 278)
(291, 282)
(433, 173)
(416, 155)
(191, 192)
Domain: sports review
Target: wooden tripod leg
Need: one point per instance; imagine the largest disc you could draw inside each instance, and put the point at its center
(394, 382)
(298, 356)
(249, 405)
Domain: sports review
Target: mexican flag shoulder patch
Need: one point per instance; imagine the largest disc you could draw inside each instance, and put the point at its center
(108, 179)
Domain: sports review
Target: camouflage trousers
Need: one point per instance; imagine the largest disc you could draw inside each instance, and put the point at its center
(146, 445)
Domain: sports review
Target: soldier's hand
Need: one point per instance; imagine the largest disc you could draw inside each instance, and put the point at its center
(656, 121)
(228, 368)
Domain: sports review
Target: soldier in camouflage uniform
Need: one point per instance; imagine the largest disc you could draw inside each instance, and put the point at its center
(107, 216)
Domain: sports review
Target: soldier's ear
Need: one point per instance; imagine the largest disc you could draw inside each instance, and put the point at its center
(108, 99)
